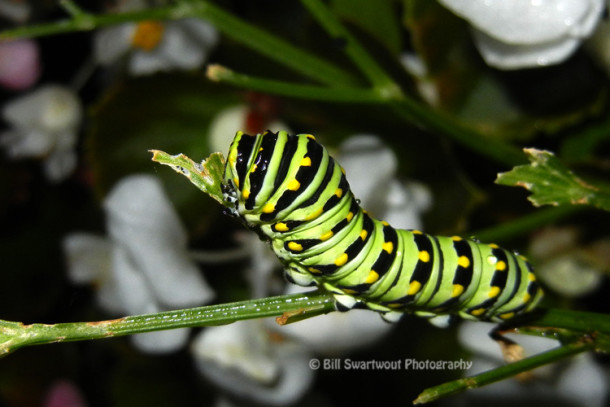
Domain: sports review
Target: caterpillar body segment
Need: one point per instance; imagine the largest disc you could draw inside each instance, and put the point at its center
(296, 196)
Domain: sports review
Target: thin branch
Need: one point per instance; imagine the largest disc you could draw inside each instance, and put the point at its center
(496, 375)
(220, 73)
(14, 335)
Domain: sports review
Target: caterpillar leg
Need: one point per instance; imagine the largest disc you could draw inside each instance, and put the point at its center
(511, 350)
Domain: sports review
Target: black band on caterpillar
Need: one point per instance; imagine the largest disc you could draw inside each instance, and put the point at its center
(295, 195)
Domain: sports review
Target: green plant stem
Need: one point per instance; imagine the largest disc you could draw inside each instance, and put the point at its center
(341, 95)
(439, 122)
(492, 376)
(361, 58)
(527, 223)
(14, 335)
(247, 34)
(406, 107)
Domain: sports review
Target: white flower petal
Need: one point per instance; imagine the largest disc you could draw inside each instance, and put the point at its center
(50, 109)
(112, 43)
(88, 257)
(60, 164)
(228, 121)
(32, 143)
(185, 45)
(406, 203)
(242, 346)
(241, 359)
(527, 33)
(584, 381)
(338, 331)
(16, 11)
(141, 218)
(368, 182)
(509, 56)
(162, 341)
(134, 291)
(529, 21)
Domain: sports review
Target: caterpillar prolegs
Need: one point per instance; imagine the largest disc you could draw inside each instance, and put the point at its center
(295, 195)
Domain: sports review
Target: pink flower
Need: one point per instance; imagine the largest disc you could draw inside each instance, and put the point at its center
(19, 64)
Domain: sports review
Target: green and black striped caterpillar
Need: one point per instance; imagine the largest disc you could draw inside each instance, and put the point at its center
(295, 195)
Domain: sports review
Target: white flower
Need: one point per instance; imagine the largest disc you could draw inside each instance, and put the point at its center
(578, 381)
(144, 266)
(243, 359)
(227, 122)
(564, 265)
(528, 33)
(376, 186)
(44, 124)
(15, 10)
(157, 46)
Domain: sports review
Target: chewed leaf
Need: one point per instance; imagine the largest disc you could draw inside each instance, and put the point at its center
(206, 176)
(551, 183)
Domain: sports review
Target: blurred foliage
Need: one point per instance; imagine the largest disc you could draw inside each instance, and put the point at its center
(563, 108)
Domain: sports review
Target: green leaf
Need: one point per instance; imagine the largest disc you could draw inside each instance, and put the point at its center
(206, 176)
(551, 183)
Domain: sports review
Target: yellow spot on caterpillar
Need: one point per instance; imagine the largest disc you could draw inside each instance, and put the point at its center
(494, 246)
(494, 291)
(464, 262)
(363, 234)
(527, 297)
(293, 185)
(341, 260)
(314, 270)
(458, 289)
(424, 256)
(310, 136)
(531, 277)
(253, 168)
(388, 247)
(508, 315)
(306, 162)
(477, 312)
(327, 235)
(501, 265)
(372, 277)
(342, 170)
(416, 232)
(314, 214)
(268, 208)
(295, 247)
(339, 192)
(349, 291)
(281, 227)
(349, 216)
(245, 193)
(414, 287)
(456, 238)
(236, 182)
(147, 35)
(384, 223)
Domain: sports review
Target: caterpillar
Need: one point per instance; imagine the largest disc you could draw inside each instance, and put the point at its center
(290, 191)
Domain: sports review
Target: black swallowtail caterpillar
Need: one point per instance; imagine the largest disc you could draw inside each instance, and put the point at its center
(295, 195)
